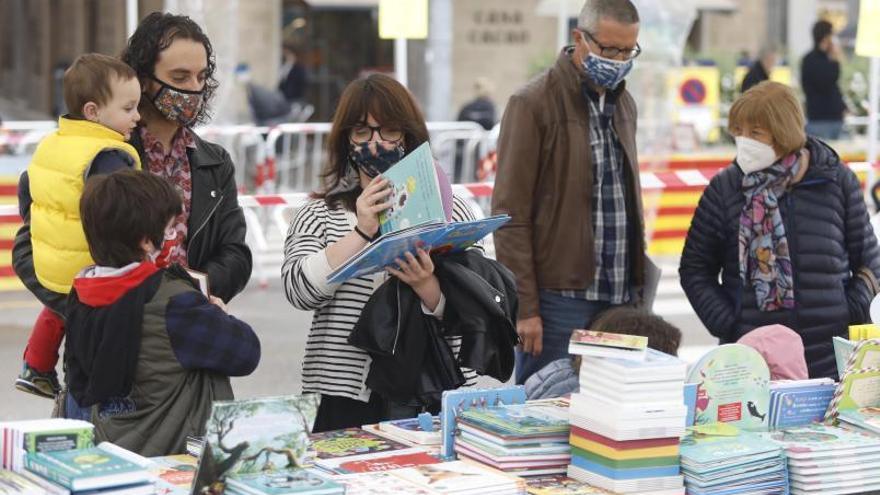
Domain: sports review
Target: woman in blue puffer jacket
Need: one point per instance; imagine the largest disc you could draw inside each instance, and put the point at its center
(782, 235)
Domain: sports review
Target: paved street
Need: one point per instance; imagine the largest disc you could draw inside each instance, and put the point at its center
(282, 331)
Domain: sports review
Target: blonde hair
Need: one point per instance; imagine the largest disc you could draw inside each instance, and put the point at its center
(774, 107)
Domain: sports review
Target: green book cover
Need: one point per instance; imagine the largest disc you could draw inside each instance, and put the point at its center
(85, 469)
(519, 419)
(64, 439)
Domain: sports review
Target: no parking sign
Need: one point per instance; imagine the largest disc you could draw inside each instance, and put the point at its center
(695, 93)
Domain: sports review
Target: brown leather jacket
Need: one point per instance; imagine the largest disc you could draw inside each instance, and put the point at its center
(545, 183)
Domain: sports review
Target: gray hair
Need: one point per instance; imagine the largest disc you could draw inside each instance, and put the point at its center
(622, 11)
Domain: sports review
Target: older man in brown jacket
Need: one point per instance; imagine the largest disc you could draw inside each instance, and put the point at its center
(568, 176)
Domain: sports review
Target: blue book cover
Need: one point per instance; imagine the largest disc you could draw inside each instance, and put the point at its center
(454, 402)
(709, 450)
(800, 407)
(519, 419)
(624, 474)
(284, 482)
(440, 237)
(415, 197)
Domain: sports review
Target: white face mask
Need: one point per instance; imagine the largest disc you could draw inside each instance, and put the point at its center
(752, 155)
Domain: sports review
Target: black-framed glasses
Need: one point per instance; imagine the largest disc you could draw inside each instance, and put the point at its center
(613, 51)
(364, 133)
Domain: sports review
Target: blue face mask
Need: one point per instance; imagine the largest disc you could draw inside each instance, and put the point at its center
(606, 72)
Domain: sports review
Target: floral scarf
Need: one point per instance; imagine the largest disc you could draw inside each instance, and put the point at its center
(764, 258)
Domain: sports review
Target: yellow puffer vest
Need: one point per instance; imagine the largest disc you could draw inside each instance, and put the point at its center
(57, 174)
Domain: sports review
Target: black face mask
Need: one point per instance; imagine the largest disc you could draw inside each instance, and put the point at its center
(373, 164)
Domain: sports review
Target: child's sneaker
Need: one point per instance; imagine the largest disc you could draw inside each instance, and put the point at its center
(38, 383)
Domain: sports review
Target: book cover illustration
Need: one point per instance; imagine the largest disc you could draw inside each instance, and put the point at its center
(174, 471)
(379, 483)
(83, 469)
(732, 387)
(709, 449)
(867, 418)
(561, 485)
(822, 438)
(454, 476)
(519, 419)
(857, 389)
(285, 482)
(607, 339)
(415, 197)
(349, 442)
(381, 462)
(440, 237)
(454, 402)
(250, 436)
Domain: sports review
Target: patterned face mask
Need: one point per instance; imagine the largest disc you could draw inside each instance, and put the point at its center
(606, 72)
(374, 163)
(178, 105)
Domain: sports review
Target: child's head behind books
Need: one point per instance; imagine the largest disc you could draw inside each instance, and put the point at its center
(662, 336)
(104, 90)
(125, 216)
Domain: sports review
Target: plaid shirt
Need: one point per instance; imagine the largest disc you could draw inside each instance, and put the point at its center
(609, 207)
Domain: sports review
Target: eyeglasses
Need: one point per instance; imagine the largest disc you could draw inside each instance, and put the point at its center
(613, 51)
(364, 133)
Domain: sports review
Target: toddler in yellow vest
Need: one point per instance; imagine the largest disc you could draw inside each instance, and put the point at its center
(102, 95)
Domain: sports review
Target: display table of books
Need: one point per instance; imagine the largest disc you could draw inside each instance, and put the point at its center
(641, 423)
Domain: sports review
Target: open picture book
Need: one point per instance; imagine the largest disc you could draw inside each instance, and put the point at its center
(415, 219)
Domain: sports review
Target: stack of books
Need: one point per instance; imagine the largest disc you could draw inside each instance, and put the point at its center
(626, 423)
(742, 463)
(194, 445)
(27, 483)
(100, 470)
(20, 438)
(799, 402)
(409, 432)
(354, 450)
(521, 439)
(830, 460)
(283, 482)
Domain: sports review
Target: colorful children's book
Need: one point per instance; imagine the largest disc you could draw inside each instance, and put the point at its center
(415, 197)
(518, 420)
(561, 485)
(459, 477)
(733, 387)
(19, 438)
(454, 402)
(792, 406)
(93, 468)
(609, 345)
(865, 418)
(377, 461)
(379, 483)
(411, 429)
(859, 388)
(820, 441)
(626, 485)
(350, 442)
(255, 435)
(284, 482)
(441, 238)
(175, 473)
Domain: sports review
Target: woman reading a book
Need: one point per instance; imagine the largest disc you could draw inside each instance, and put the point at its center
(376, 123)
(781, 236)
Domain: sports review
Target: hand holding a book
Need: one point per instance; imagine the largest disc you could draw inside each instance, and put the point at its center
(531, 335)
(418, 273)
(372, 201)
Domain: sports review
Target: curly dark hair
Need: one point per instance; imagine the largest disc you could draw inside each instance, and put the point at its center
(154, 34)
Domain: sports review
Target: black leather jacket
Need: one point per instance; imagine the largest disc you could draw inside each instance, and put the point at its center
(216, 228)
(411, 358)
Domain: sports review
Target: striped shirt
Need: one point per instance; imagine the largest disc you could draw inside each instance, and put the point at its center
(332, 366)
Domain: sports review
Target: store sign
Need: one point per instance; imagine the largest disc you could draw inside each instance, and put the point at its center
(498, 27)
(403, 19)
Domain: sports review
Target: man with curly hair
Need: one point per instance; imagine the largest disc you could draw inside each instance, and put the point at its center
(174, 62)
